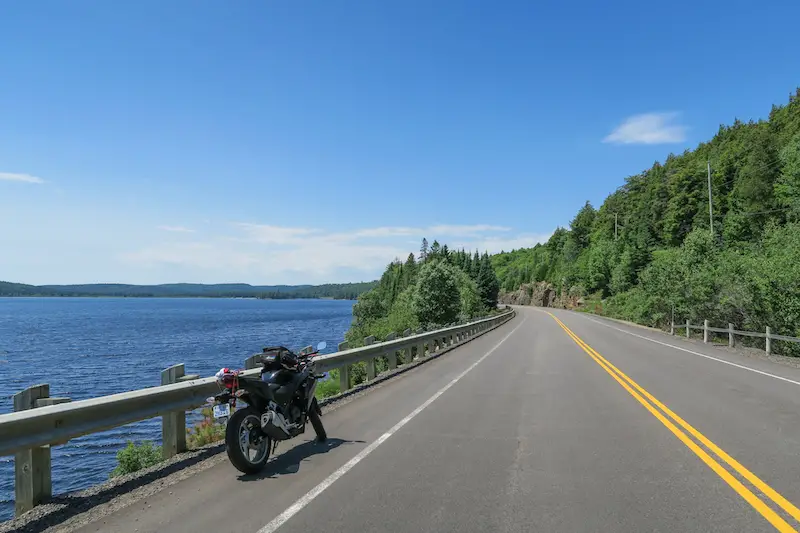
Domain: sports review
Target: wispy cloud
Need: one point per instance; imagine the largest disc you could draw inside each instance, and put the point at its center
(304, 255)
(25, 178)
(176, 229)
(648, 128)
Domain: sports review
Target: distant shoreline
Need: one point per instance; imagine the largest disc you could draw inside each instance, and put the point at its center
(170, 297)
(332, 291)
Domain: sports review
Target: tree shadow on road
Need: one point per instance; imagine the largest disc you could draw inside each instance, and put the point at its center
(289, 462)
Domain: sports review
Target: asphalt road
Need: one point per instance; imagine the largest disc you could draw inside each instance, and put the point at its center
(593, 426)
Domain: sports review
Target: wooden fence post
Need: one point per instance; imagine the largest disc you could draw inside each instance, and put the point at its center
(408, 355)
(344, 371)
(31, 467)
(769, 341)
(392, 355)
(173, 424)
(371, 372)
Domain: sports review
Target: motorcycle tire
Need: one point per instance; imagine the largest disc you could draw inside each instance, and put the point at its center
(316, 421)
(243, 462)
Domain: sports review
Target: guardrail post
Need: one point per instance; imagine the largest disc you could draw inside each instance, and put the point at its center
(769, 341)
(173, 424)
(672, 327)
(408, 355)
(687, 328)
(705, 331)
(344, 371)
(731, 339)
(392, 355)
(31, 467)
(371, 372)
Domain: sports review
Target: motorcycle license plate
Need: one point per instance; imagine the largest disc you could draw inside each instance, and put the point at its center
(222, 410)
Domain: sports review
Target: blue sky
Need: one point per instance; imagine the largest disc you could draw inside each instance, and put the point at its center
(304, 142)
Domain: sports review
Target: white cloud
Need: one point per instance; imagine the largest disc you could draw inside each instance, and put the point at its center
(266, 234)
(176, 229)
(274, 254)
(495, 245)
(464, 231)
(648, 128)
(25, 178)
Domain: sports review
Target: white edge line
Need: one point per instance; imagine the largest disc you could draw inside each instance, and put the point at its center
(297, 506)
(695, 353)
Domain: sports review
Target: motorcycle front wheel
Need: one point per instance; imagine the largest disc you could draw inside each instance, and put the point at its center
(248, 449)
(316, 421)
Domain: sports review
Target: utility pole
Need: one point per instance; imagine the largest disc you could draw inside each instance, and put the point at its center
(615, 226)
(710, 209)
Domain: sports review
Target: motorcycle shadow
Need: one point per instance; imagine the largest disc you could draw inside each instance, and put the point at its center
(289, 461)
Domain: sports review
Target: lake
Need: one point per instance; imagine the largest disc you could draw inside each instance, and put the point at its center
(89, 347)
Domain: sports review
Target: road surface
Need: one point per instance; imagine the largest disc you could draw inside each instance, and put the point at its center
(553, 422)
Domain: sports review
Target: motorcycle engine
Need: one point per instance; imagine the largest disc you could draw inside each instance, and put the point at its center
(294, 414)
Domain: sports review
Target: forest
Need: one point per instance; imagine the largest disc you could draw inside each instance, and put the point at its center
(437, 288)
(651, 251)
(339, 291)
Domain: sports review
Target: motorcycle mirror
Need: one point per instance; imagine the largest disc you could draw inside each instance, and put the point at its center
(321, 346)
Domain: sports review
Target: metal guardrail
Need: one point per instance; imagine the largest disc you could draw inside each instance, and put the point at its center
(40, 422)
(732, 333)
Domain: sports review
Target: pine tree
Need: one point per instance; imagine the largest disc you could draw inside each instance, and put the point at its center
(475, 267)
(423, 250)
(409, 271)
(436, 250)
(488, 285)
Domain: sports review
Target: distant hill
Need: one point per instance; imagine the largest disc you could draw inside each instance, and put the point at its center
(340, 291)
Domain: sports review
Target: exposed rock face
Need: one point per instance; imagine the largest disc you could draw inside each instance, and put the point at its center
(540, 294)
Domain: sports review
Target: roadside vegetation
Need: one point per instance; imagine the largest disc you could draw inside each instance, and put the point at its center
(135, 457)
(206, 431)
(436, 288)
(649, 252)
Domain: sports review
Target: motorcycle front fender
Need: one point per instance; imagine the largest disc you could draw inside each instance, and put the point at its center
(312, 388)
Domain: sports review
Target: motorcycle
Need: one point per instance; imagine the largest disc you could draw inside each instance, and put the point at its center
(279, 403)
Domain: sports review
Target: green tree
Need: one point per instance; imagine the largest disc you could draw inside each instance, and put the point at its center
(787, 187)
(581, 225)
(437, 299)
(488, 285)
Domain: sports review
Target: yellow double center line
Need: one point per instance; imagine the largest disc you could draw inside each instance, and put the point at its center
(640, 394)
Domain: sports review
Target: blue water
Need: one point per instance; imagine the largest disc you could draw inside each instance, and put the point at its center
(88, 347)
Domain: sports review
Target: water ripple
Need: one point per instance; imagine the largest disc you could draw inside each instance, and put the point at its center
(89, 347)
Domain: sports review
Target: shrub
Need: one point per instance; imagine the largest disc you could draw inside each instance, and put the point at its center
(134, 457)
(329, 387)
(205, 431)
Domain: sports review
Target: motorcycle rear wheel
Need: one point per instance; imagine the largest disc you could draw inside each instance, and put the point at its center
(247, 450)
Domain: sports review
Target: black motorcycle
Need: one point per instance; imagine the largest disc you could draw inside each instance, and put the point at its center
(279, 402)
